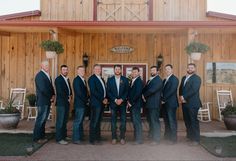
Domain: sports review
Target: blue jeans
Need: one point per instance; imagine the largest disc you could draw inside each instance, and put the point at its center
(137, 123)
(191, 123)
(122, 111)
(155, 126)
(39, 127)
(78, 130)
(61, 121)
(95, 124)
(169, 116)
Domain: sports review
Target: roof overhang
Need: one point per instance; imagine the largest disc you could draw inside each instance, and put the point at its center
(121, 26)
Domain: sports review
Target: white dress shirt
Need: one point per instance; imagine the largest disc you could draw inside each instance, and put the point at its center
(66, 80)
(117, 84)
(103, 85)
(47, 74)
(132, 83)
(167, 78)
(186, 79)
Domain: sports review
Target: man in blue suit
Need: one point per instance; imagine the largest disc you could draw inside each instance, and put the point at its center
(135, 104)
(117, 91)
(152, 97)
(190, 99)
(170, 103)
(98, 101)
(63, 98)
(44, 97)
(80, 103)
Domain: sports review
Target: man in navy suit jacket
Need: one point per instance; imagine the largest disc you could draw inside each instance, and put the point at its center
(98, 101)
(44, 96)
(63, 98)
(152, 97)
(190, 99)
(170, 103)
(135, 104)
(117, 91)
(80, 103)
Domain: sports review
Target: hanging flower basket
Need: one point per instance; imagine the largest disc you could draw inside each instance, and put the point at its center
(52, 48)
(196, 49)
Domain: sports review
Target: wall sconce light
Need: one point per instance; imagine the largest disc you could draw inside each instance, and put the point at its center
(85, 60)
(160, 60)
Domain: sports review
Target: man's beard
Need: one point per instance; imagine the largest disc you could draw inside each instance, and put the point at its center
(153, 75)
(190, 72)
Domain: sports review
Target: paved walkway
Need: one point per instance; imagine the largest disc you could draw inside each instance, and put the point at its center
(106, 151)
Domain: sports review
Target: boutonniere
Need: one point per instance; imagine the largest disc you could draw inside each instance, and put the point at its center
(121, 81)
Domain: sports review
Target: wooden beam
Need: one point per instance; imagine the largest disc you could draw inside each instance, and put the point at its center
(150, 6)
(95, 10)
(20, 15)
(4, 33)
(220, 15)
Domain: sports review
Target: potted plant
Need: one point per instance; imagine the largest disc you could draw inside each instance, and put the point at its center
(52, 48)
(31, 98)
(9, 116)
(195, 49)
(229, 114)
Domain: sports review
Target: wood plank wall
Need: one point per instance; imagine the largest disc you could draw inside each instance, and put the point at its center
(20, 56)
(163, 10)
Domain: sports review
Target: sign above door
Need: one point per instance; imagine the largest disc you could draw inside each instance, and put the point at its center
(122, 49)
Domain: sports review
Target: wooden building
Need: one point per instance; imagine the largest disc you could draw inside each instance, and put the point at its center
(149, 27)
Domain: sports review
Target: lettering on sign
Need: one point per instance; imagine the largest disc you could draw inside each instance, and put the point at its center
(122, 49)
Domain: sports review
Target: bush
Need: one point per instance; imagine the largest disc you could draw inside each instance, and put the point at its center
(196, 47)
(229, 110)
(49, 45)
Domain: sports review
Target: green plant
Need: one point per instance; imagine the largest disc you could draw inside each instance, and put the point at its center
(49, 45)
(195, 46)
(9, 108)
(31, 97)
(229, 110)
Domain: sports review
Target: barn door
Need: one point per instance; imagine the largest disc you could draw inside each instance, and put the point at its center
(122, 10)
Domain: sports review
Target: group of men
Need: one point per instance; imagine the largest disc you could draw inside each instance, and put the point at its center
(119, 94)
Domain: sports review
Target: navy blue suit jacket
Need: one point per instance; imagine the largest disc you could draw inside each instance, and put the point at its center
(44, 89)
(169, 92)
(62, 91)
(190, 91)
(112, 92)
(96, 92)
(135, 93)
(152, 92)
(80, 93)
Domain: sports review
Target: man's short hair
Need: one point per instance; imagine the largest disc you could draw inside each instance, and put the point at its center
(169, 65)
(80, 66)
(64, 66)
(96, 65)
(135, 68)
(192, 64)
(117, 65)
(154, 66)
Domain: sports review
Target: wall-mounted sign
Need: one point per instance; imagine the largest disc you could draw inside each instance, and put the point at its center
(122, 49)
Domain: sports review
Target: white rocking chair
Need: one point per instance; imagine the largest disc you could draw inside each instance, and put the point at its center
(17, 95)
(204, 112)
(224, 98)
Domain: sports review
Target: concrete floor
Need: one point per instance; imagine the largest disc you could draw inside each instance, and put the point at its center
(106, 151)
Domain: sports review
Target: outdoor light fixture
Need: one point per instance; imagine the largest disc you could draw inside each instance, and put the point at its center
(85, 60)
(159, 60)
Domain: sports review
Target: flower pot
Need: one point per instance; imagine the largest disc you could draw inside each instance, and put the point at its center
(9, 121)
(195, 56)
(230, 122)
(51, 54)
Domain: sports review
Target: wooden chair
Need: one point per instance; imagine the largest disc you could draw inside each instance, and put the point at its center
(204, 112)
(17, 95)
(224, 98)
(32, 115)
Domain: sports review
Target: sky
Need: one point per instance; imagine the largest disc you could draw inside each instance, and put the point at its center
(16, 6)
